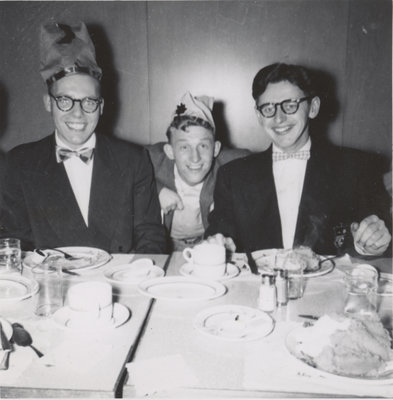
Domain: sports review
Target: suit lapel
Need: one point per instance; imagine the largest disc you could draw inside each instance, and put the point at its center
(105, 197)
(57, 201)
(261, 200)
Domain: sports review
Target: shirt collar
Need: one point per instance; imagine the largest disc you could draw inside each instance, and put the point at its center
(91, 142)
(307, 146)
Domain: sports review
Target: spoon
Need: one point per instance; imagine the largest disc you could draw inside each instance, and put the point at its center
(66, 255)
(22, 338)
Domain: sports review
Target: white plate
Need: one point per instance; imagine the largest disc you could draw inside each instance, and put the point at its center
(120, 316)
(181, 288)
(267, 258)
(91, 257)
(127, 274)
(385, 285)
(7, 328)
(231, 271)
(234, 323)
(294, 337)
(14, 287)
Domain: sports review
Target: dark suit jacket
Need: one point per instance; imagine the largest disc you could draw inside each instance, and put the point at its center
(40, 208)
(340, 186)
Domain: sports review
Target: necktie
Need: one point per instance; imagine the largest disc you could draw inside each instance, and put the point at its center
(63, 154)
(299, 155)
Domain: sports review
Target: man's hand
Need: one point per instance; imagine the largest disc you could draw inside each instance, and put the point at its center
(170, 200)
(370, 237)
(218, 238)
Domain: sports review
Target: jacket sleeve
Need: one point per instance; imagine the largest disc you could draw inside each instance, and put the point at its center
(149, 233)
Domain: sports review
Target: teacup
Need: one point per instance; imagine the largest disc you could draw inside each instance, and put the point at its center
(90, 303)
(208, 260)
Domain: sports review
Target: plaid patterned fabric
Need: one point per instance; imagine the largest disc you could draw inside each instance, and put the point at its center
(300, 155)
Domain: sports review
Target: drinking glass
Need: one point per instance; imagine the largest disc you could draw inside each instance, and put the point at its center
(295, 266)
(361, 296)
(10, 255)
(50, 294)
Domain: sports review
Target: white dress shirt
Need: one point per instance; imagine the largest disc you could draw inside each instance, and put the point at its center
(79, 174)
(289, 179)
(187, 223)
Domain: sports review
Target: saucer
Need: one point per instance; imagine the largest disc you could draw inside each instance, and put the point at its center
(132, 274)
(120, 316)
(231, 271)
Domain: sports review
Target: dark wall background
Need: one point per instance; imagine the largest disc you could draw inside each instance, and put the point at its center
(152, 52)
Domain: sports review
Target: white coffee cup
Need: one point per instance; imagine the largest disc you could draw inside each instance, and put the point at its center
(208, 260)
(90, 303)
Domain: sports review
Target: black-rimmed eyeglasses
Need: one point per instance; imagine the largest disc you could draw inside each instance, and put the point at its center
(66, 103)
(289, 106)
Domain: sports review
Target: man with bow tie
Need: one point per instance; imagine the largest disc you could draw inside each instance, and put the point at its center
(299, 191)
(77, 187)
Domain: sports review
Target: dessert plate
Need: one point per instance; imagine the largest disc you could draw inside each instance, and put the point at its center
(7, 328)
(133, 273)
(120, 316)
(231, 271)
(181, 288)
(295, 337)
(234, 323)
(15, 287)
(87, 258)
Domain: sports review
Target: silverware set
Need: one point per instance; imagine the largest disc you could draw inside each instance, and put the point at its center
(21, 337)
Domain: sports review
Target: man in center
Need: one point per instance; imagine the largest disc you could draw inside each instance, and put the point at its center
(186, 168)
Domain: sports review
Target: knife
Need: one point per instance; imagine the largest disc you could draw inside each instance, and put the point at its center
(6, 346)
(252, 264)
(314, 317)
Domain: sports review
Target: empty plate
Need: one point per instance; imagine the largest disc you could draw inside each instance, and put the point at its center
(234, 322)
(181, 288)
(16, 287)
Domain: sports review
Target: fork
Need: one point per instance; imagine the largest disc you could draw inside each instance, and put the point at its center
(66, 255)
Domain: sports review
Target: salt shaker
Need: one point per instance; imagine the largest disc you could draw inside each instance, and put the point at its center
(282, 287)
(267, 294)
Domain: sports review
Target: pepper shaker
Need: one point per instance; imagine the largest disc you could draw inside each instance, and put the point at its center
(282, 287)
(267, 293)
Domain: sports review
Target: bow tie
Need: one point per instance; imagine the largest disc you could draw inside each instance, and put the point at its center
(299, 155)
(63, 154)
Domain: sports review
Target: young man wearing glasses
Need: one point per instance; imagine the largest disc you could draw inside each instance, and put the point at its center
(77, 187)
(299, 191)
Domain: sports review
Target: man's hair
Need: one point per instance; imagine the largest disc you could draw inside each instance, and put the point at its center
(278, 72)
(182, 122)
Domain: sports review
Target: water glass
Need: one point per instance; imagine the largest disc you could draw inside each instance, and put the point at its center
(50, 294)
(361, 296)
(10, 255)
(294, 265)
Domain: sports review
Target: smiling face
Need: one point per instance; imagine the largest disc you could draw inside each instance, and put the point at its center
(289, 132)
(74, 126)
(193, 151)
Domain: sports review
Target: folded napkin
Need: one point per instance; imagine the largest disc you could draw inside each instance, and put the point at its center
(160, 374)
(273, 368)
(19, 360)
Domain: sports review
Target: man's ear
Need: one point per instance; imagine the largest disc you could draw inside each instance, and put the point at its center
(314, 107)
(217, 148)
(168, 150)
(47, 102)
(102, 106)
(259, 115)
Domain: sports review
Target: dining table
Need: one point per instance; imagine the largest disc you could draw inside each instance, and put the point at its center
(178, 358)
(76, 362)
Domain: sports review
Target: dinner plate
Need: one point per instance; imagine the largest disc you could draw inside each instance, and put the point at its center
(120, 315)
(15, 287)
(231, 271)
(7, 328)
(265, 260)
(181, 288)
(295, 337)
(133, 273)
(234, 323)
(90, 257)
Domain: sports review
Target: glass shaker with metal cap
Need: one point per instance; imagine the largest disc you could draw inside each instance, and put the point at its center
(267, 300)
